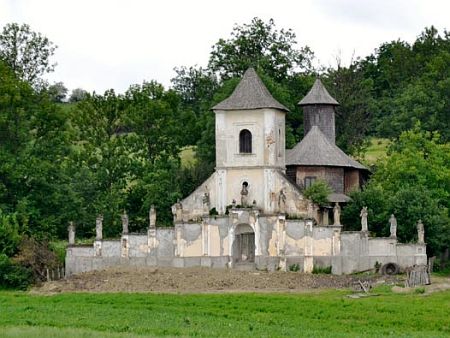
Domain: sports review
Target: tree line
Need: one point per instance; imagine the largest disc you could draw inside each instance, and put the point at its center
(112, 152)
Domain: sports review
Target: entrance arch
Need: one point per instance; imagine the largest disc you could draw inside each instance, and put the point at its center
(244, 244)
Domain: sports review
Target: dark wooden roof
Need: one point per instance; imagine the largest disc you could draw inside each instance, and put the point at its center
(250, 93)
(316, 150)
(318, 95)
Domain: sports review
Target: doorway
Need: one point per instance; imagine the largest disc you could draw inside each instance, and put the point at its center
(245, 244)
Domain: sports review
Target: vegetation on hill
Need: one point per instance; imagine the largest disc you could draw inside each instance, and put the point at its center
(108, 152)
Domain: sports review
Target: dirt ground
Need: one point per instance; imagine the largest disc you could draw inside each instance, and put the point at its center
(201, 280)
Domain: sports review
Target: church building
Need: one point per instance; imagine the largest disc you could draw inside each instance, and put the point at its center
(251, 212)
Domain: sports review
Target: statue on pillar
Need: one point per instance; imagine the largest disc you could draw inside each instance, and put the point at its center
(364, 213)
(337, 214)
(420, 232)
(310, 209)
(99, 227)
(393, 226)
(152, 216)
(206, 203)
(244, 195)
(71, 230)
(282, 201)
(124, 219)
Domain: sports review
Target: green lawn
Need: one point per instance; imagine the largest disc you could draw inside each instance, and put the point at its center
(324, 314)
(376, 150)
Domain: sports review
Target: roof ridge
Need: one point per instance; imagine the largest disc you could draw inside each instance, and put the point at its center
(250, 93)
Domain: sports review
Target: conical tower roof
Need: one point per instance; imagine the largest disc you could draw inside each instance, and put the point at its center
(316, 150)
(318, 95)
(250, 93)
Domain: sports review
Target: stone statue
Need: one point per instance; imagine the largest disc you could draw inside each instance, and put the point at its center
(206, 203)
(393, 227)
(282, 201)
(233, 204)
(420, 232)
(152, 216)
(363, 216)
(99, 227)
(244, 195)
(337, 214)
(124, 219)
(177, 211)
(71, 229)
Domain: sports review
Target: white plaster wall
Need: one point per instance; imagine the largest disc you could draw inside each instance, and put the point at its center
(382, 247)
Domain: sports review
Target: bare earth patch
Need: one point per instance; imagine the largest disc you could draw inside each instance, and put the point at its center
(197, 280)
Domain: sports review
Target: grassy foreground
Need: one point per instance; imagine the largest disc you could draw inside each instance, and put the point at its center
(236, 315)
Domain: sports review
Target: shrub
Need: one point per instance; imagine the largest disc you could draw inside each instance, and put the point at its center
(13, 275)
(9, 234)
(322, 270)
(318, 192)
(294, 267)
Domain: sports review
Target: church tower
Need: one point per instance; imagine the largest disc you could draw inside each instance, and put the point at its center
(319, 110)
(250, 142)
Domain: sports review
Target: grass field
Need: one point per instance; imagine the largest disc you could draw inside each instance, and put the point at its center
(324, 314)
(376, 150)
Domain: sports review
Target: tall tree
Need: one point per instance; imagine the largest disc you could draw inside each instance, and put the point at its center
(27, 52)
(261, 45)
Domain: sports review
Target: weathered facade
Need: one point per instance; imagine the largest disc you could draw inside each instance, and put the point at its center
(248, 213)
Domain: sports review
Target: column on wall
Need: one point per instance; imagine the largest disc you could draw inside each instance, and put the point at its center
(308, 264)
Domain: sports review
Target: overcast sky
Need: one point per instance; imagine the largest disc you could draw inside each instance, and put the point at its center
(115, 43)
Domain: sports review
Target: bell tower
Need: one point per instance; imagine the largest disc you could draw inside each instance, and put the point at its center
(319, 110)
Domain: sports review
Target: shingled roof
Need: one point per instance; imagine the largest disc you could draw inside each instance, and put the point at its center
(316, 150)
(318, 95)
(250, 93)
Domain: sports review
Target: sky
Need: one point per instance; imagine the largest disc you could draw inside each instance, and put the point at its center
(105, 44)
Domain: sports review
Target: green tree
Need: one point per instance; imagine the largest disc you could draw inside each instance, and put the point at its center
(261, 45)
(27, 53)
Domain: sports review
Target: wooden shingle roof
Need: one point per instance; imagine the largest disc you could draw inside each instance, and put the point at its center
(318, 95)
(250, 93)
(316, 150)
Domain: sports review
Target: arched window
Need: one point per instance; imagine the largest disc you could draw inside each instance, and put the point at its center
(245, 141)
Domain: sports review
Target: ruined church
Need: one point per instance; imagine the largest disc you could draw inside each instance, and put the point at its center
(251, 212)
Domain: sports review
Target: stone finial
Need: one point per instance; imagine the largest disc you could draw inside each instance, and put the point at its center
(393, 226)
(364, 213)
(152, 216)
(337, 214)
(71, 230)
(233, 204)
(99, 227)
(125, 221)
(420, 232)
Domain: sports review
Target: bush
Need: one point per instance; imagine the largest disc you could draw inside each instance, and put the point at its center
(322, 270)
(9, 234)
(13, 275)
(294, 267)
(318, 192)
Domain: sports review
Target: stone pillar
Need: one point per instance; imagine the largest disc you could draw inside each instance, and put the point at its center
(281, 245)
(125, 246)
(308, 264)
(151, 241)
(179, 251)
(205, 237)
(98, 235)
(71, 230)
